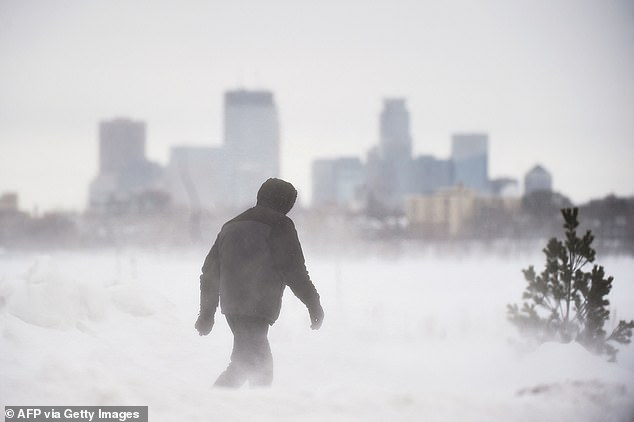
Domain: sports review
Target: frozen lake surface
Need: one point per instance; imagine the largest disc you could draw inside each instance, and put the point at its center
(423, 337)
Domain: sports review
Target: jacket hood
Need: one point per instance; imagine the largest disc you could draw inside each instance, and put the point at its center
(278, 195)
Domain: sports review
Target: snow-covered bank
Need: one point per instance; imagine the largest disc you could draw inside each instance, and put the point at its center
(421, 338)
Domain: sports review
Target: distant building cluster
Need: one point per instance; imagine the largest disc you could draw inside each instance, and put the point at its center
(449, 211)
(197, 177)
(339, 181)
(392, 193)
(392, 177)
(431, 192)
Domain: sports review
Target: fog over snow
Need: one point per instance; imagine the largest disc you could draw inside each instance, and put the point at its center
(422, 337)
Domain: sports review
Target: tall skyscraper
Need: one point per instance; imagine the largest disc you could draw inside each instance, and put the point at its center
(390, 165)
(538, 179)
(121, 144)
(251, 140)
(396, 140)
(470, 156)
(124, 171)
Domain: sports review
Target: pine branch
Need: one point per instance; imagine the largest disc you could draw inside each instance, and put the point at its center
(622, 333)
(582, 311)
(549, 306)
(561, 311)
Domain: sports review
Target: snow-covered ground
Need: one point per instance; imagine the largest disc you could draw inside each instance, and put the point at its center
(420, 338)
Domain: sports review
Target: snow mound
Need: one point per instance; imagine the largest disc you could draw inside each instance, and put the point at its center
(47, 297)
(557, 361)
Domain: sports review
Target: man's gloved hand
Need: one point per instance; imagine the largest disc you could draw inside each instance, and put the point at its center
(316, 313)
(204, 323)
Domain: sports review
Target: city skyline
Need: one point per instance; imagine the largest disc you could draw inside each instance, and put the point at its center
(550, 82)
(208, 178)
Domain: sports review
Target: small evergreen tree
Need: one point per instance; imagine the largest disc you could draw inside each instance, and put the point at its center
(566, 303)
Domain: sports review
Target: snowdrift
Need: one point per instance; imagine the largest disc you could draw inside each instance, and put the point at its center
(419, 338)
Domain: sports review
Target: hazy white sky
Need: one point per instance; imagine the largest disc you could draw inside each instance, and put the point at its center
(551, 81)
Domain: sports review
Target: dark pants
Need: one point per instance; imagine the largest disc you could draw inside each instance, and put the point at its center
(251, 357)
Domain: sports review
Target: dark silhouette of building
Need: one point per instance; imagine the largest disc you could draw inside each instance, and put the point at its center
(538, 179)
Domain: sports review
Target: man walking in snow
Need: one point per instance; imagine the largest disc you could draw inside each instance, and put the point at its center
(255, 256)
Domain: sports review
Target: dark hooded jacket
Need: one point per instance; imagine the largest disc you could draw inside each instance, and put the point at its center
(255, 256)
